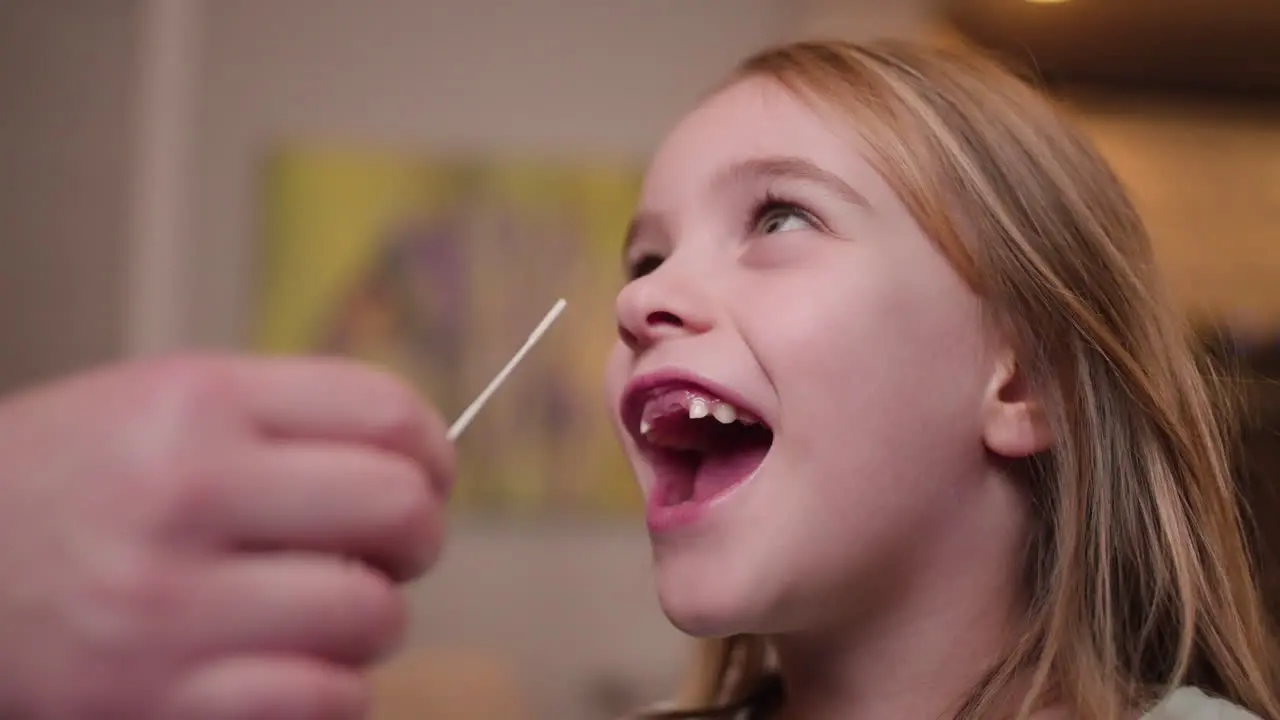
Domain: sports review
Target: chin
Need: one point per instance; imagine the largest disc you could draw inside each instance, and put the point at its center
(700, 618)
(707, 603)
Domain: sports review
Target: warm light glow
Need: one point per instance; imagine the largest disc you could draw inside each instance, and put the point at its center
(1046, 2)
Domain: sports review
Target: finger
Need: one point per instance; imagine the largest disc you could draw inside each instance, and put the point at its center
(322, 398)
(336, 499)
(334, 609)
(269, 688)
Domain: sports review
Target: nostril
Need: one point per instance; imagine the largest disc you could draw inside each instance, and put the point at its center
(655, 325)
(662, 317)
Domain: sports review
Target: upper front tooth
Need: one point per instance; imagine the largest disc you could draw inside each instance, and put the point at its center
(645, 427)
(698, 409)
(725, 413)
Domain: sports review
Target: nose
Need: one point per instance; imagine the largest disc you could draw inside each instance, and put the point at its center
(661, 305)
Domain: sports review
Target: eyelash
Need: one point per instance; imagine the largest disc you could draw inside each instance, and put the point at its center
(769, 205)
(772, 203)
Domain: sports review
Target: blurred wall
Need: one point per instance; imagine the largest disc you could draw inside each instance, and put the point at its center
(67, 80)
(1207, 182)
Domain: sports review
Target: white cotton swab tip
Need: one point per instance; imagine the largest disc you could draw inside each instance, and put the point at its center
(469, 414)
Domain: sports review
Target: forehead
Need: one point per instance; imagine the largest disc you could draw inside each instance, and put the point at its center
(752, 118)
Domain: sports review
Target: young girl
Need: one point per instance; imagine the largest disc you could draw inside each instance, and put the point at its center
(920, 431)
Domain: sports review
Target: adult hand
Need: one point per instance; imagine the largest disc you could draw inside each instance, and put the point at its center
(211, 538)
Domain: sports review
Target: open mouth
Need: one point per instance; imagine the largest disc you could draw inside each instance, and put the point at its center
(699, 444)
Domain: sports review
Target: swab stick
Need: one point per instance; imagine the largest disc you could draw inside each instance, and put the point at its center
(467, 415)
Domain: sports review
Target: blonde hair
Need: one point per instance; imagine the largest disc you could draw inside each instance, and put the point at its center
(1141, 578)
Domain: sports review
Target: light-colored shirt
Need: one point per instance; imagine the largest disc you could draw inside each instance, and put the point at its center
(1186, 703)
(1183, 703)
(1190, 703)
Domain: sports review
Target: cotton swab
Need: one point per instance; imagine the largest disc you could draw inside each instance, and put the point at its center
(467, 415)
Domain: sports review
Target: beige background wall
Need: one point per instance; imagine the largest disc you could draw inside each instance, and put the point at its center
(1208, 183)
(66, 123)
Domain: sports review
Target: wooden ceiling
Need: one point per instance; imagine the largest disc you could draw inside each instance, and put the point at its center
(1200, 47)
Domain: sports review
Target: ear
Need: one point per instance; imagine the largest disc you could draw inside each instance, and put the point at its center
(1014, 422)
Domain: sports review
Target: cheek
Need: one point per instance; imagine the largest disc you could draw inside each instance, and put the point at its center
(890, 357)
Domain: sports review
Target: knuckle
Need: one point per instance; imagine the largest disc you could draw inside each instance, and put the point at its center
(182, 398)
(181, 393)
(344, 696)
(431, 544)
(408, 499)
(179, 375)
(134, 601)
(434, 422)
(397, 412)
(412, 521)
(385, 614)
(351, 702)
(405, 421)
(192, 487)
(402, 420)
(174, 491)
(390, 405)
(443, 466)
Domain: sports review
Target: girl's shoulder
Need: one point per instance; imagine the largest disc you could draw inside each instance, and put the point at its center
(1190, 703)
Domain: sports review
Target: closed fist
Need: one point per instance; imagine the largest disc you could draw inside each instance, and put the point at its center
(213, 538)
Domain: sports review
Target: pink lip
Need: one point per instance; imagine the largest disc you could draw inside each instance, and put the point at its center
(660, 516)
(663, 519)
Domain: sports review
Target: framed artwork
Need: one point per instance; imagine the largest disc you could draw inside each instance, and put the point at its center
(438, 269)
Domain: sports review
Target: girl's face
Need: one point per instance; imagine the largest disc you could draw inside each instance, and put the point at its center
(804, 386)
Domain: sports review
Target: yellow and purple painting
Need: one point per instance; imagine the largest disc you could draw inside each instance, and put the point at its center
(438, 270)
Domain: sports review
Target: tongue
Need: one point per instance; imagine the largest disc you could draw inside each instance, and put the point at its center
(721, 470)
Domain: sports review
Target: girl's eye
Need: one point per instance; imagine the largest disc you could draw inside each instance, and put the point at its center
(775, 216)
(643, 265)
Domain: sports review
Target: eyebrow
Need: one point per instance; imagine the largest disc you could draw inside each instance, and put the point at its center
(753, 169)
(787, 167)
